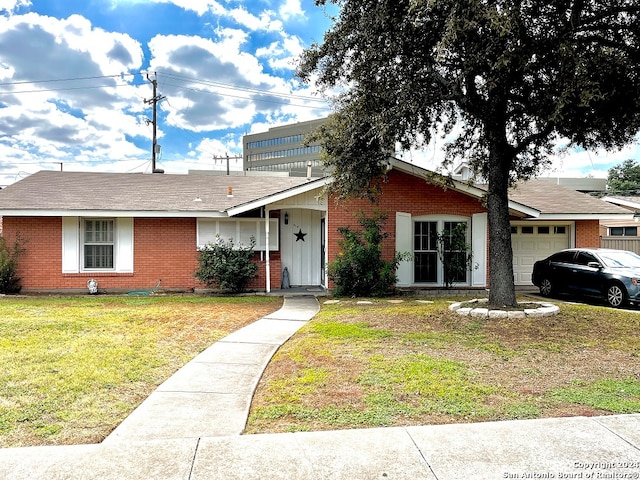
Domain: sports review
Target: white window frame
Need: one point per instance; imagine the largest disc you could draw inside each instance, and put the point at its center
(239, 230)
(108, 243)
(440, 222)
(624, 231)
(73, 245)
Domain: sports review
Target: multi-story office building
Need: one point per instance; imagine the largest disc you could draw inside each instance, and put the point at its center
(282, 149)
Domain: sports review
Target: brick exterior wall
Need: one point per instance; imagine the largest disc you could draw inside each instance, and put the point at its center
(402, 193)
(164, 248)
(588, 233)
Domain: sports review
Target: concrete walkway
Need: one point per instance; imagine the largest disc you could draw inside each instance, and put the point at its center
(211, 395)
(188, 429)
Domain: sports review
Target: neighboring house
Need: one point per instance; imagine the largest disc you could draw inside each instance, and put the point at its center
(129, 230)
(622, 233)
(623, 227)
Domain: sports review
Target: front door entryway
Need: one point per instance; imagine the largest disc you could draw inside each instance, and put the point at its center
(301, 241)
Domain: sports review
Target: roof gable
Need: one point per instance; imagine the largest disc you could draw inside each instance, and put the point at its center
(533, 198)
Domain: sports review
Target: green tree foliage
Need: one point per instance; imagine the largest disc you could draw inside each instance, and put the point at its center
(511, 78)
(624, 178)
(359, 270)
(226, 265)
(9, 254)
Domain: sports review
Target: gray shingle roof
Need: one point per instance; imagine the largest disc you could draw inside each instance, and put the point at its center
(81, 191)
(51, 190)
(556, 199)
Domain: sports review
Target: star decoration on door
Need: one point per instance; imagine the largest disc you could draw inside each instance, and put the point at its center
(300, 235)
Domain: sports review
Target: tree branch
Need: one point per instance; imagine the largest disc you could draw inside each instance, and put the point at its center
(534, 138)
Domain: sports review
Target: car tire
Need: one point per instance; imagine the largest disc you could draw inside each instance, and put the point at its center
(616, 295)
(546, 287)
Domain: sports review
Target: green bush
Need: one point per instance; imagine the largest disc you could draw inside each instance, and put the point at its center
(359, 270)
(9, 281)
(226, 265)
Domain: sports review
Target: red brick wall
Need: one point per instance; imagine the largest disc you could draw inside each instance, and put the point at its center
(588, 233)
(41, 264)
(164, 248)
(402, 193)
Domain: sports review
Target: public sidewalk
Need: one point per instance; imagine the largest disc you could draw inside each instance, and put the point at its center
(189, 429)
(577, 447)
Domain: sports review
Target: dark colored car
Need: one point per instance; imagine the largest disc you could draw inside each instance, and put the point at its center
(613, 275)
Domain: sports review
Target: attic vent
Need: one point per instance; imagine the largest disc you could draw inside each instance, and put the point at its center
(229, 192)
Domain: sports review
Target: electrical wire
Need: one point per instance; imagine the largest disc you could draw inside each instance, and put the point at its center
(253, 99)
(243, 89)
(45, 90)
(22, 82)
(180, 86)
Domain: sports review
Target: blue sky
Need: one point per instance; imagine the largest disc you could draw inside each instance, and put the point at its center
(73, 84)
(225, 69)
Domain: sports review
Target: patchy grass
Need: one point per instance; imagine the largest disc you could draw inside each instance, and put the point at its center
(74, 367)
(617, 396)
(410, 363)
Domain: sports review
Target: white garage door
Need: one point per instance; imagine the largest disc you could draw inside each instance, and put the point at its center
(531, 243)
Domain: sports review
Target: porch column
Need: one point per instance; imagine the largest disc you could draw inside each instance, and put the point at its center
(267, 257)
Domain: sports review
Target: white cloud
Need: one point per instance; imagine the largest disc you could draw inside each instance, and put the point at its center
(264, 20)
(290, 8)
(88, 117)
(12, 5)
(572, 163)
(282, 55)
(215, 84)
(198, 6)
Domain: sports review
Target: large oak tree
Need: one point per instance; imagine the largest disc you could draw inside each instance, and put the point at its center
(513, 77)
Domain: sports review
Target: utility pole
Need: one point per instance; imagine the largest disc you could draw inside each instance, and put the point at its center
(153, 101)
(236, 157)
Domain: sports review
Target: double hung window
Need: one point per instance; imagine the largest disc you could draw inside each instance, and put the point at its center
(439, 256)
(98, 244)
(425, 248)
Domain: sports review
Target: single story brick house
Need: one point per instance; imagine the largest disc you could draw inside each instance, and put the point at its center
(128, 230)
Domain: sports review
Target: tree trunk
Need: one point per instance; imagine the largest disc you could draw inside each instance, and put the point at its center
(502, 289)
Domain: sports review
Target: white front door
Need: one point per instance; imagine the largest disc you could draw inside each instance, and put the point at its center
(301, 245)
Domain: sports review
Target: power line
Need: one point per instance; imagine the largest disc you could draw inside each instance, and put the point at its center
(264, 100)
(181, 86)
(44, 90)
(243, 89)
(22, 82)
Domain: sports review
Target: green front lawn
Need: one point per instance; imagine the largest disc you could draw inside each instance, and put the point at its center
(72, 368)
(410, 363)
